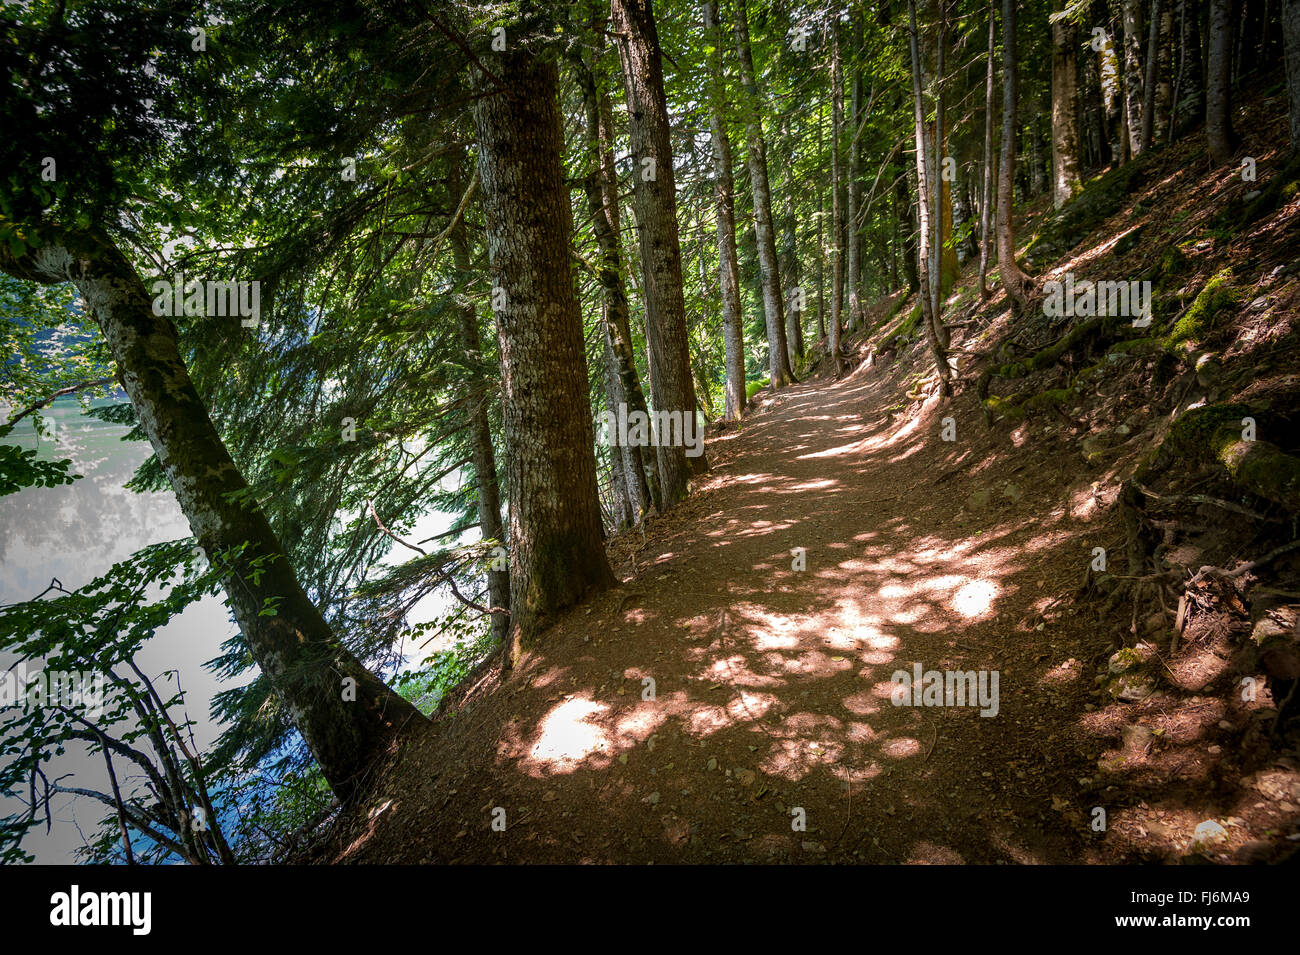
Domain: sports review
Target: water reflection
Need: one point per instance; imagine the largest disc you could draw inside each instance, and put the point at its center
(77, 532)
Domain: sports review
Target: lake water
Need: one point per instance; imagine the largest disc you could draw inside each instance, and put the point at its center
(74, 533)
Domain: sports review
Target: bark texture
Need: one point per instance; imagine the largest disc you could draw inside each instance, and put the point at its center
(1291, 42)
(986, 201)
(1219, 134)
(1014, 279)
(483, 457)
(1065, 114)
(756, 157)
(557, 552)
(600, 185)
(655, 190)
(725, 214)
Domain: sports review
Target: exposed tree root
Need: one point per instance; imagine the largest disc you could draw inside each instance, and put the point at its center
(1082, 337)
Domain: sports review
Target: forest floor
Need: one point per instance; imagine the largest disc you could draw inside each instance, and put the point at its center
(772, 685)
(770, 734)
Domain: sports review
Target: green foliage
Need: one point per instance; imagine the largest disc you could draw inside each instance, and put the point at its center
(97, 629)
(20, 468)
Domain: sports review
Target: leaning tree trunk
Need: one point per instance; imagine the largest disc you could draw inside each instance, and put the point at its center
(346, 714)
(1013, 278)
(1291, 40)
(556, 538)
(1219, 134)
(1065, 114)
(986, 201)
(601, 188)
(728, 263)
(837, 207)
(480, 434)
(756, 158)
(661, 255)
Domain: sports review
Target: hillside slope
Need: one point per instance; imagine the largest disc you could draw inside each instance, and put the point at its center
(1120, 689)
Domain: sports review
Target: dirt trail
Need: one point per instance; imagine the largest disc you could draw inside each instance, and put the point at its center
(771, 684)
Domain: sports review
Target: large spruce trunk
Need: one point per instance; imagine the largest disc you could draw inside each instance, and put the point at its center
(346, 714)
(654, 187)
(557, 552)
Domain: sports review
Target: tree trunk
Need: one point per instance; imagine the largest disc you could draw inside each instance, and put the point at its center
(1291, 39)
(728, 263)
(346, 714)
(1013, 278)
(661, 256)
(1133, 94)
(928, 265)
(601, 187)
(1065, 114)
(1163, 82)
(986, 200)
(1189, 101)
(790, 270)
(1219, 134)
(852, 202)
(837, 207)
(556, 537)
(482, 455)
(778, 360)
(1150, 82)
(821, 217)
(909, 231)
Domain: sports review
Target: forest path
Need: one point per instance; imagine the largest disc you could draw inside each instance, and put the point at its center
(771, 683)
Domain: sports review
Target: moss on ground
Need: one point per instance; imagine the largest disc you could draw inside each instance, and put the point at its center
(1199, 320)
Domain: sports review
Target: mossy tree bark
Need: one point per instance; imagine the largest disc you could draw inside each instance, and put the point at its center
(557, 552)
(347, 716)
